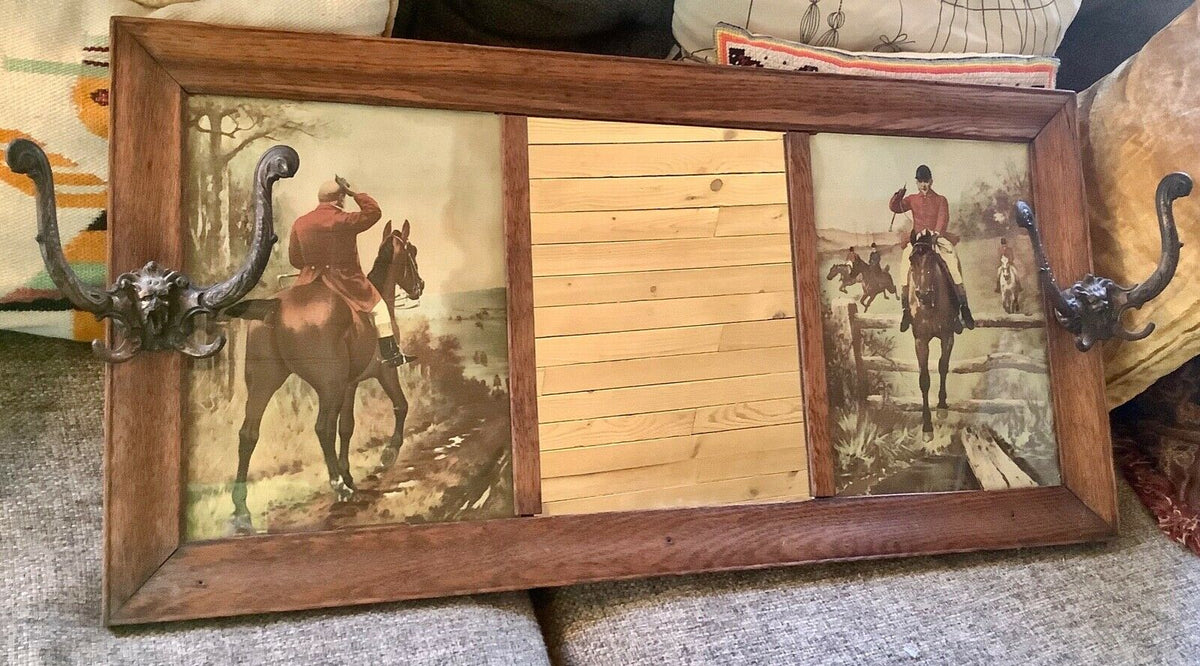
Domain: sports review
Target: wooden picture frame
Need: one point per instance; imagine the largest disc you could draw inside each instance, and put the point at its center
(152, 575)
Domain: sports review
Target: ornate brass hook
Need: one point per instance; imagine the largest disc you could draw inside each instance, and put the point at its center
(153, 308)
(1092, 308)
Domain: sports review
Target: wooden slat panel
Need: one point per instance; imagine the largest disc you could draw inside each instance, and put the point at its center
(774, 487)
(664, 342)
(659, 224)
(622, 225)
(579, 194)
(683, 473)
(641, 315)
(527, 500)
(752, 220)
(682, 368)
(658, 285)
(564, 130)
(626, 257)
(661, 425)
(748, 414)
(661, 398)
(654, 159)
(647, 452)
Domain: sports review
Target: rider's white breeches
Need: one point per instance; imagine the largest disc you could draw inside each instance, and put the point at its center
(946, 250)
(383, 318)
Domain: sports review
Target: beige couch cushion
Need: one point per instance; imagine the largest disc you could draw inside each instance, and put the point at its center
(1138, 124)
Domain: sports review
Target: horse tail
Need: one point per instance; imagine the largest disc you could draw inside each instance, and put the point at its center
(258, 309)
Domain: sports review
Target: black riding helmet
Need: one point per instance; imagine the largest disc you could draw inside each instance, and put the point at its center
(924, 175)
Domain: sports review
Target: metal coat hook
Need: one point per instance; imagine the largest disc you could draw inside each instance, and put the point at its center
(1092, 308)
(153, 308)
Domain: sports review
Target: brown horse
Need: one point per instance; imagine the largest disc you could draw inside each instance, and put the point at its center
(310, 331)
(934, 315)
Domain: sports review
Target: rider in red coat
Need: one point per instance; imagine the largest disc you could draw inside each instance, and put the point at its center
(323, 246)
(931, 216)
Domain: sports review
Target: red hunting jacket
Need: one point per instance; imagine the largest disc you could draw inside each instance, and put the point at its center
(930, 211)
(322, 245)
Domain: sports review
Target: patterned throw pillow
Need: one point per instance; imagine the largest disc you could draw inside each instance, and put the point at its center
(738, 47)
(1136, 125)
(54, 90)
(881, 26)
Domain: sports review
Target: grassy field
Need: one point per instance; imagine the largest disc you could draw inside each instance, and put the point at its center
(884, 450)
(454, 463)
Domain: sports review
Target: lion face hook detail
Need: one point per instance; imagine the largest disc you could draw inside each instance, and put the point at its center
(1092, 308)
(153, 308)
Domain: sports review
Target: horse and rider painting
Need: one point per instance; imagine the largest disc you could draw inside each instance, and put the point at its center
(938, 388)
(346, 396)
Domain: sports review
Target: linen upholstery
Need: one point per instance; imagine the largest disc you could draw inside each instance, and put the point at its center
(50, 544)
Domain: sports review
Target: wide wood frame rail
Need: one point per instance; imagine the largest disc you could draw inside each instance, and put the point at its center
(151, 575)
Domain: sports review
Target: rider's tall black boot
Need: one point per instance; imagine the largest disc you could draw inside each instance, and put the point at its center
(968, 321)
(906, 318)
(390, 353)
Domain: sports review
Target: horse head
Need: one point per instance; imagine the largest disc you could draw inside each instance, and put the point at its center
(399, 255)
(834, 271)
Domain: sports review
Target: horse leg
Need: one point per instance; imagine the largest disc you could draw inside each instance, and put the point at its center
(944, 368)
(345, 429)
(264, 376)
(329, 404)
(923, 364)
(389, 379)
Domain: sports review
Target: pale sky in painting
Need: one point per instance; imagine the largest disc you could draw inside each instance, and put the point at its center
(438, 169)
(855, 175)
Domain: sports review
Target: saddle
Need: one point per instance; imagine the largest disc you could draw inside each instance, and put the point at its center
(927, 240)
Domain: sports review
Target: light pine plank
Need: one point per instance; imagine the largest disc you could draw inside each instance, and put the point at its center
(682, 473)
(666, 397)
(749, 414)
(637, 193)
(658, 255)
(625, 225)
(565, 130)
(785, 486)
(616, 429)
(661, 425)
(641, 315)
(593, 160)
(683, 368)
(748, 442)
(565, 350)
(657, 285)
(753, 335)
(752, 220)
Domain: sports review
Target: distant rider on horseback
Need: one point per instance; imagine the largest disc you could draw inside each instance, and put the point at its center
(322, 245)
(931, 217)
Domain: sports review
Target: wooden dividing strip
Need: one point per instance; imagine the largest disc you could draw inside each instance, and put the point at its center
(143, 480)
(1080, 410)
(641, 315)
(527, 499)
(606, 160)
(664, 342)
(626, 257)
(808, 307)
(658, 285)
(682, 368)
(647, 452)
(778, 487)
(664, 397)
(663, 425)
(582, 194)
(564, 130)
